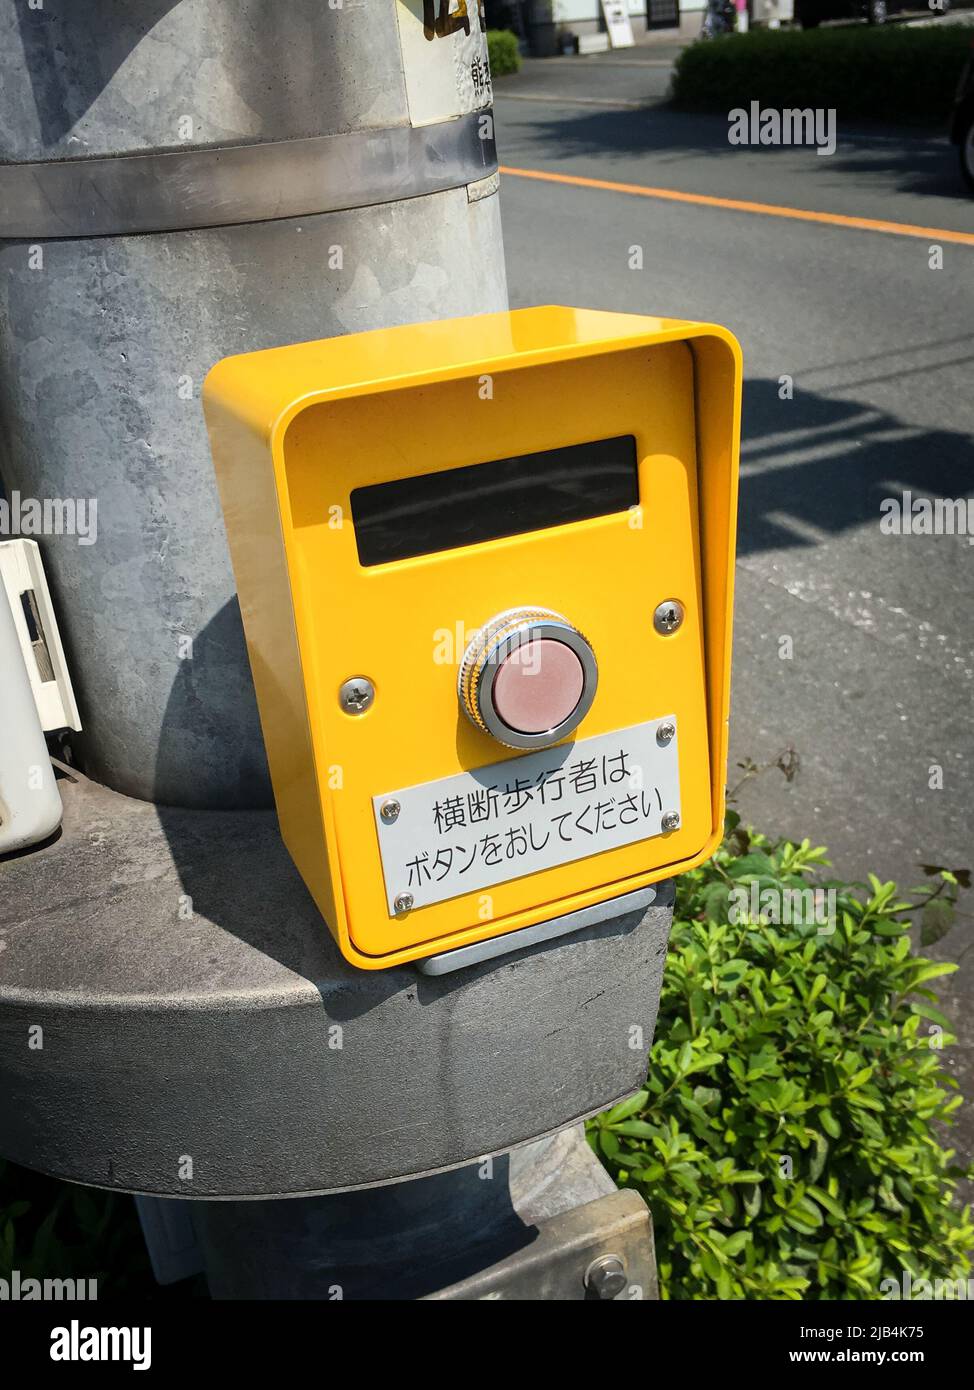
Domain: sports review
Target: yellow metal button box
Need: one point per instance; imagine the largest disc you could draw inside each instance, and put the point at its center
(485, 568)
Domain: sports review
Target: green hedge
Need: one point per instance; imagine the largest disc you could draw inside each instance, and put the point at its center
(503, 52)
(787, 1136)
(891, 74)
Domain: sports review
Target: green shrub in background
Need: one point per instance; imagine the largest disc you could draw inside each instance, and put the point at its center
(503, 52)
(894, 75)
(786, 1138)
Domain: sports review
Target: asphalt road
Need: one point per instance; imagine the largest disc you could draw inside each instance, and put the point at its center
(880, 347)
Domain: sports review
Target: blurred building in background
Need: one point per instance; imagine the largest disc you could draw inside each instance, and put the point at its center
(551, 27)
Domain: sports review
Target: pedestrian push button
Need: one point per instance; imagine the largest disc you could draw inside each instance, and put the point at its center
(485, 570)
(528, 678)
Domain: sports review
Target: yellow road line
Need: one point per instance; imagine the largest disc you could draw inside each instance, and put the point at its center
(833, 219)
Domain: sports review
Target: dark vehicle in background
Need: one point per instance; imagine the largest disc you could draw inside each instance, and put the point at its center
(962, 122)
(810, 13)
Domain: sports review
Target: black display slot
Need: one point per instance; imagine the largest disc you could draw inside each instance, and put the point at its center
(487, 501)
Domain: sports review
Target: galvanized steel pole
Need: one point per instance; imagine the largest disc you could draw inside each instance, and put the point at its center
(181, 180)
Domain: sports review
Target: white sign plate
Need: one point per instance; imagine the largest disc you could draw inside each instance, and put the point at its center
(446, 69)
(477, 829)
(618, 23)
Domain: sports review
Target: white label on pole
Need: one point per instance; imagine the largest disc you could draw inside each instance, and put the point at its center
(477, 829)
(444, 58)
(22, 576)
(618, 23)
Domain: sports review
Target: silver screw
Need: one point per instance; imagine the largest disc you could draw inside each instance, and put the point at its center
(389, 810)
(356, 694)
(669, 616)
(671, 820)
(606, 1277)
(402, 902)
(666, 732)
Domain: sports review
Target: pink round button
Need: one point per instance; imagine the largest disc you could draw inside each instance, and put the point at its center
(538, 686)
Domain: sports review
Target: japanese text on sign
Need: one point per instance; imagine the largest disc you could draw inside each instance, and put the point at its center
(475, 829)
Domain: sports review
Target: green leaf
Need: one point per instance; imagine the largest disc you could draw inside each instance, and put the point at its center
(829, 1123)
(887, 927)
(651, 1174)
(931, 970)
(609, 1144)
(753, 1201)
(928, 1011)
(833, 1207)
(818, 984)
(715, 902)
(703, 1061)
(635, 1129)
(625, 1108)
(817, 1164)
(752, 865)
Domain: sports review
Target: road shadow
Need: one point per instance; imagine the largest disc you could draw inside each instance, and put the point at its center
(918, 160)
(827, 462)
